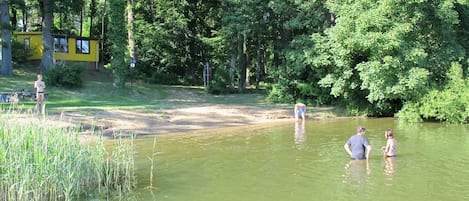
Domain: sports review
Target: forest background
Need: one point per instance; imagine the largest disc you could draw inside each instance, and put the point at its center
(404, 58)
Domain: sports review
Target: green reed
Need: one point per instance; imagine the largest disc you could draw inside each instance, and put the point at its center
(40, 162)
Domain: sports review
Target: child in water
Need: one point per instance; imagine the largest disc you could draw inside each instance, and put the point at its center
(390, 149)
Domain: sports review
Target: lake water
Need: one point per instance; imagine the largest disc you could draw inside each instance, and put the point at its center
(284, 161)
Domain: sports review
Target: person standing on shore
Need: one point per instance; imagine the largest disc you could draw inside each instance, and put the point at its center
(300, 110)
(358, 146)
(40, 87)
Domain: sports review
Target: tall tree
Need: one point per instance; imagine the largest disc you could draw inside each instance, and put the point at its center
(174, 37)
(93, 12)
(47, 10)
(236, 22)
(293, 23)
(47, 61)
(117, 39)
(7, 67)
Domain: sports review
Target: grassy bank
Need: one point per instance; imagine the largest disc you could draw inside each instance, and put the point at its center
(48, 163)
(98, 93)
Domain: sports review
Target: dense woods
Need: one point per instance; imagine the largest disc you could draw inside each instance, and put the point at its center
(379, 58)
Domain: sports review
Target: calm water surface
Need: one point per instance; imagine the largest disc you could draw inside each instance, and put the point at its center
(284, 161)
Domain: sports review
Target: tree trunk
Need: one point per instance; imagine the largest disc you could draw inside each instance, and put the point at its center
(82, 13)
(92, 14)
(25, 19)
(130, 30)
(117, 37)
(103, 30)
(234, 57)
(258, 61)
(47, 40)
(130, 38)
(7, 67)
(242, 65)
(248, 70)
(14, 18)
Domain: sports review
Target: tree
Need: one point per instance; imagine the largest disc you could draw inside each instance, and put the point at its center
(292, 24)
(93, 12)
(381, 54)
(7, 67)
(117, 37)
(47, 10)
(47, 61)
(174, 39)
(130, 28)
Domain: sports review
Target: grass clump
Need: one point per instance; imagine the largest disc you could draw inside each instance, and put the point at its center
(49, 163)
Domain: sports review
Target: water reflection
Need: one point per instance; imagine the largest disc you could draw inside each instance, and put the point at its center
(357, 172)
(255, 163)
(389, 167)
(300, 135)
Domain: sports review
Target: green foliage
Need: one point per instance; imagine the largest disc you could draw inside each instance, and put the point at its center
(410, 113)
(170, 36)
(372, 57)
(220, 84)
(47, 162)
(164, 78)
(391, 51)
(449, 104)
(19, 53)
(281, 93)
(69, 76)
(117, 35)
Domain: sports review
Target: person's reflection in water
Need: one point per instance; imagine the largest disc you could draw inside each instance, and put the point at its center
(389, 167)
(357, 172)
(300, 135)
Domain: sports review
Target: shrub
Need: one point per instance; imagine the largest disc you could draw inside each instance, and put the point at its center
(220, 84)
(450, 104)
(69, 76)
(19, 53)
(159, 77)
(281, 93)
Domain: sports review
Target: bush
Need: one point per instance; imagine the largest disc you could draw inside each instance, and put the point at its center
(220, 84)
(69, 76)
(19, 53)
(450, 104)
(410, 113)
(280, 93)
(158, 77)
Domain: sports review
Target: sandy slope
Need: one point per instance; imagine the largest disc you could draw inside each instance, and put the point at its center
(182, 116)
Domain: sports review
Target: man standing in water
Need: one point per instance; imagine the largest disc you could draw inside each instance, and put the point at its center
(40, 86)
(300, 110)
(358, 146)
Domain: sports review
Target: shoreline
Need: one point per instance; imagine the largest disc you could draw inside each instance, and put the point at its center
(168, 121)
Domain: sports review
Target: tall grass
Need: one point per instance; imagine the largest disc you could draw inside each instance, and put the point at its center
(40, 162)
